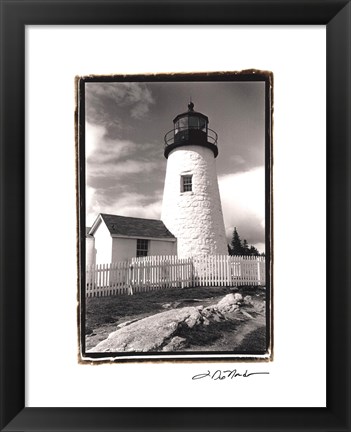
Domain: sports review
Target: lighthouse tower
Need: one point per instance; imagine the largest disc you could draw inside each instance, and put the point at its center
(191, 207)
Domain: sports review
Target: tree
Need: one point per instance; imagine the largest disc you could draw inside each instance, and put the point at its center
(236, 245)
(245, 248)
(253, 251)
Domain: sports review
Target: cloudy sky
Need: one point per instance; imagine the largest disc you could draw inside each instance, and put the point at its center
(125, 165)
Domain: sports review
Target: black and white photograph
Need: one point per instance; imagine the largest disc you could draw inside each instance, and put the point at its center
(175, 230)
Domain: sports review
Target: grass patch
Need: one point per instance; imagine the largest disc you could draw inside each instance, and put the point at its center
(105, 310)
(101, 311)
(254, 341)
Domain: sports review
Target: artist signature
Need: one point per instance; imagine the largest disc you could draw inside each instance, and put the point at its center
(227, 374)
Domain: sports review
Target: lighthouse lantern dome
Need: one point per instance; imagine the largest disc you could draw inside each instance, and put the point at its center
(190, 128)
(190, 120)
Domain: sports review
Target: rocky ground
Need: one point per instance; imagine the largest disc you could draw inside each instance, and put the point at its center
(234, 322)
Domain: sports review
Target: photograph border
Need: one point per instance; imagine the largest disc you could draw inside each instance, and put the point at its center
(243, 76)
(15, 16)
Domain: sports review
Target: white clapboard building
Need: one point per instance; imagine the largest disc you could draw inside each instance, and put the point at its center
(115, 238)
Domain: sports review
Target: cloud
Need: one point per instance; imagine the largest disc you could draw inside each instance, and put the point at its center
(237, 160)
(116, 169)
(106, 103)
(243, 203)
(99, 147)
(140, 110)
(126, 204)
(121, 178)
(112, 158)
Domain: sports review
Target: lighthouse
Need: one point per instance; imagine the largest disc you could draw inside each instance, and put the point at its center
(191, 207)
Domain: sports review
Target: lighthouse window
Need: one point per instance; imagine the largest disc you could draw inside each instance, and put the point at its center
(142, 247)
(193, 122)
(182, 123)
(202, 124)
(187, 183)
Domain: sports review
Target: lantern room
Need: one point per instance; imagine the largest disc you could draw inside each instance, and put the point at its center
(190, 128)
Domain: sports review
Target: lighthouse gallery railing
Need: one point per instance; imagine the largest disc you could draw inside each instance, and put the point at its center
(172, 135)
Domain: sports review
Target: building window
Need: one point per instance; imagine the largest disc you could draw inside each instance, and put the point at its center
(142, 247)
(187, 183)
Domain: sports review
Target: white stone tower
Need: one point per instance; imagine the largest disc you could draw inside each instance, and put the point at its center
(191, 207)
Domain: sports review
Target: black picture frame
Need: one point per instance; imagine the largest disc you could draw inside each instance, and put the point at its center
(335, 14)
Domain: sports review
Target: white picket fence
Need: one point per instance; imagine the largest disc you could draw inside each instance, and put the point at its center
(162, 272)
(224, 270)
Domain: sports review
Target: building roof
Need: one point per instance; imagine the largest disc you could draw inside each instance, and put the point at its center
(136, 227)
(87, 229)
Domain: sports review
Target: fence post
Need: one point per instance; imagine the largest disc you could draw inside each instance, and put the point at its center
(258, 272)
(130, 285)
